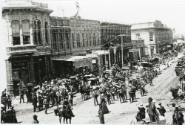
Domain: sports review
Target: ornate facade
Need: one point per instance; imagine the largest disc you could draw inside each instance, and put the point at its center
(156, 36)
(28, 47)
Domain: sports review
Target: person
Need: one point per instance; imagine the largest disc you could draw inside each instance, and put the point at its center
(60, 114)
(161, 110)
(152, 112)
(101, 115)
(11, 115)
(71, 98)
(46, 104)
(21, 95)
(141, 113)
(95, 96)
(35, 119)
(178, 117)
(103, 105)
(67, 113)
(34, 102)
(9, 101)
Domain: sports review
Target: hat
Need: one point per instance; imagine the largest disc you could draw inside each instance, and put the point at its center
(141, 106)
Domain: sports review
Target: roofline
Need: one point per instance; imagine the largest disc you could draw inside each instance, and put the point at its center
(28, 7)
(163, 28)
(112, 23)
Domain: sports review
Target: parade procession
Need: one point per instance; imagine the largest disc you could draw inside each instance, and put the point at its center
(72, 70)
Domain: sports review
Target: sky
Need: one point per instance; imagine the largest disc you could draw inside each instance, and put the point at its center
(170, 12)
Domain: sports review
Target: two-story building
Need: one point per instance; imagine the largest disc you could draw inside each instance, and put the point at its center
(117, 39)
(28, 48)
(73, 40)
(156, 36)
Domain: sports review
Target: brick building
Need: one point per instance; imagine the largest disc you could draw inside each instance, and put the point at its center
(117, 39)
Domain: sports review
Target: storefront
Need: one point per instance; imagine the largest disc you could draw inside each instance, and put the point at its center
(26, 68)
(74, 64)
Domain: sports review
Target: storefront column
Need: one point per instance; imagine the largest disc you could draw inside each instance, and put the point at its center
(139, 50)
(9, 77)
(32, 75)
(31, 33)
(99, 65)
(106, 64)
(109, 59)
(10, 33)
(46, 65)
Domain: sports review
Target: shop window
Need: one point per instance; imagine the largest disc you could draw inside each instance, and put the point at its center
(26, 31)
(16, 32)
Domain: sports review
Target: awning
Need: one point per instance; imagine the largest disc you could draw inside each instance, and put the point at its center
(75, 58)
(101, 52)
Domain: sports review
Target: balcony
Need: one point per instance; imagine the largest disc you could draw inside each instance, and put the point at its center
(21, 49)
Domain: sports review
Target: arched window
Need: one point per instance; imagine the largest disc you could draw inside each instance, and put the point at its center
(15, 32)
(46, 32)
(39, 33)
(26, 31)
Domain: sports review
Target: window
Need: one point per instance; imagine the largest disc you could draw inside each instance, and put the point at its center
(90, 40)
(67, 39)
(137, 35)
(16, 32)
(87, 37)
(37, 32)
(78, 40)
(61, 40)
(94, 39)
(46, 32)
(83, 40)
(26, 31)
(54, 40)
(151, 36)
(73, 40)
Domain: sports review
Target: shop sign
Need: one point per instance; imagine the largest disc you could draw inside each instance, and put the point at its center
(93, 61)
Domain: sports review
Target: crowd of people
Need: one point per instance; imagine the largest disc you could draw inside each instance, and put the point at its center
(118, 84)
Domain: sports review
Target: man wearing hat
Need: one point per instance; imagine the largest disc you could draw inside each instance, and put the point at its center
(178, 117)
(161, 110)
(141, 113)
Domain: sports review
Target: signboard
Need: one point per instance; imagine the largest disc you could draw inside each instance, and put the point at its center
(93, 61)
